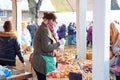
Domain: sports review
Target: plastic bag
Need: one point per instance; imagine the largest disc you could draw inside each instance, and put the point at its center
(2, 75)
(6, 71)
(61, 47)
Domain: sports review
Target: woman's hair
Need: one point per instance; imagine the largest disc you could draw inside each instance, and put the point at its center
(7, 26)
(44, 15)
(70, 23)
(115, 31)
(50, 16)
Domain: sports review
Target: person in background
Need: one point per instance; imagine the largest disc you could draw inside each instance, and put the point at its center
(62, 31)
(32, 28)
(44, 45)
(74, 35)
(71, 32)
(89, 34)
(62, 35)
(9, 46)
(26, 38)
(115, 52)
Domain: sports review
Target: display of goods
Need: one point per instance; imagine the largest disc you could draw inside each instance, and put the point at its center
(89, 76)
(87, 68)
(86, 65)
(66, 59)
(57, 78)
(63, 71)
(89, 56)
(58, 75)
(66, 63)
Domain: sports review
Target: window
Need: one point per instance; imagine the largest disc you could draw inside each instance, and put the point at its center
(3, 14)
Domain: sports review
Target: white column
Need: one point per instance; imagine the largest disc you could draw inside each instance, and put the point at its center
(81, 28)
(19, 19)
(100, 65)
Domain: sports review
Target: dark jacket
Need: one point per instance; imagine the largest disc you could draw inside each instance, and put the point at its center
(62, 31)
(32, 29)
(9, 48)
(44, 44)
(71, 30)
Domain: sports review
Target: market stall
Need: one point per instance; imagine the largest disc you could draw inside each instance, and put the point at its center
(13, 73)
(68, 68)
(21, 76)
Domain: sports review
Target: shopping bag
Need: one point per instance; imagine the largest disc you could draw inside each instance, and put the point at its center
(50, 63)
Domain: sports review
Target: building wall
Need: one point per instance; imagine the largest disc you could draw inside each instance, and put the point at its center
(25, 17)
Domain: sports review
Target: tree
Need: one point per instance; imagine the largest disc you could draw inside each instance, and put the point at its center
(34, 6)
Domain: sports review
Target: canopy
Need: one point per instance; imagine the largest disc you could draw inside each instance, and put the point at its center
(62, 5)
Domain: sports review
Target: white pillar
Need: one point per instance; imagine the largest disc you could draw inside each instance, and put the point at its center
(19, 19)
(81, 28)
(101, 40)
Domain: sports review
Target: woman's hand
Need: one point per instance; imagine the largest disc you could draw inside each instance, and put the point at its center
(119, 53)
(24, 64)
(62, 41)
(111, 55)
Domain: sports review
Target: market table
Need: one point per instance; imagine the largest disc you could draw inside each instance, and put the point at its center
(21, 76)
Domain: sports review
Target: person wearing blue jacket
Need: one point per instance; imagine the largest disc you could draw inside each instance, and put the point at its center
(62, 31)
(71, 34)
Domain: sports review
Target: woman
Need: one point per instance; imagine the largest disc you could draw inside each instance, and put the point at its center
(26, 37)
(70, 34)
(89, 31)
(62, 36)
(44, 45)
(115, 45)
(9, 46)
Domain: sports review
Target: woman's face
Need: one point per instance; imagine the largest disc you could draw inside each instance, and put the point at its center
(23, 26)
(51, 23)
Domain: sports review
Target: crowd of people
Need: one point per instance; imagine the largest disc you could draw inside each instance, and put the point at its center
(48, 43)
(62, 32)
(44, 39)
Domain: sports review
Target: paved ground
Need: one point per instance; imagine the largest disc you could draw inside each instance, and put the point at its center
(27, 68)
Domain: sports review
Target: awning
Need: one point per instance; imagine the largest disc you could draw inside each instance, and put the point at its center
(69, 5)
(64, 5)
